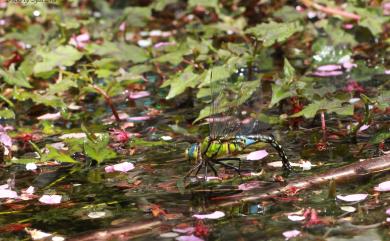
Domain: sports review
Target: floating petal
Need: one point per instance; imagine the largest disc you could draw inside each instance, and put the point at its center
(352, 197)
(51, 199)
(349, 209)
(96, 214)
(6, 193)
(214, 215)
(257, 155)
(124, 167)
(383, 187)
(138, 94)
(296, 218)
(188, 238)
(31, 166)
(291, 234)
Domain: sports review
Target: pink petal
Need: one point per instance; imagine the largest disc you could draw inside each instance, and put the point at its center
(327, 73)
(109, 169)
(352, 197)
(50, 116)
(188, 238)
(257, 155)
(214, 215)
(138, 94)
(138, 118)
(295, 218)
(5, 139)
(329, 67)
(383, 187)
(124, 167)
(249, 185)
(291, 234)
(30, 190)
(6, 193)
(388, 220)
(187, 230)
(122, 26)
(388, 211)
(50, 199)
(364, 127)
(163, 44)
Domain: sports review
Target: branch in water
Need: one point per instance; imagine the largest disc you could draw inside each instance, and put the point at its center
(108, 100)
(341, 174)
(329, 10)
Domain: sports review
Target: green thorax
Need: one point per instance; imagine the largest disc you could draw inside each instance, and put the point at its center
(221, 147)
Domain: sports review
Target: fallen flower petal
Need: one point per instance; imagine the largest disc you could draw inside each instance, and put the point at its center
(37, 234)
(96, 214)
(249, 185)
(169, 235)
(291, 234)
(214, 215)
(388, 211)
(352, 197)
(188, 238)
(138, 94)
(328, 73)
(57, 238)
(138, 118)
(349, 209)
(50, 199)
(329, 67)
(124, 167)
(257, 155)
(306, 165)
(109, 169)
(6, 193)
(50, 116)
(296, 218)
(31, 166)
(30, 190)
(383, 187)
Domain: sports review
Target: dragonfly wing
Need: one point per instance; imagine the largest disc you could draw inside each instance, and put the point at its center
(232, 99)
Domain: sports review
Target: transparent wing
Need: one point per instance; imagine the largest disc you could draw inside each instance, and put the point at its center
(234, 102)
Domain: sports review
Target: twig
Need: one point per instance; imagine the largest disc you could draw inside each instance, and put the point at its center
(342, 174)
(108, 100)
(329, 10)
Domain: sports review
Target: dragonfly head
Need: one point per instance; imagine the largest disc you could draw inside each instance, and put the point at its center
(192, 152)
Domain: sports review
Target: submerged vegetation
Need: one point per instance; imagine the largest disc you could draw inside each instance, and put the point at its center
(100, 99)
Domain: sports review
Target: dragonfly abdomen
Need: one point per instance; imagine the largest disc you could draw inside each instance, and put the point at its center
(252, 139)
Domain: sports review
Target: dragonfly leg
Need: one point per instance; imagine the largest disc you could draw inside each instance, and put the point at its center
(219, 161)
(199, 167)
(212, 168)
(199, 164)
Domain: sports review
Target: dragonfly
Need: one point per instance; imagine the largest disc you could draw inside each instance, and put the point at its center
(230, 132)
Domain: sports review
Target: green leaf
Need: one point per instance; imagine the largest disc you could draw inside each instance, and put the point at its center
(61, 86)
(61, 56)
(99, 149)
(379, 137)
(288, 71)
(182, 81)
(6, 113)
(273, 32)
(279, 93)
(119, 52)
(15, 77)
(56, 155)
(204, 3)
(310, 110)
